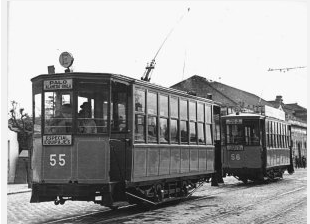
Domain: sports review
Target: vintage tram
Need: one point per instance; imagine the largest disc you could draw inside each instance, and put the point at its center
(255, 146)
(109, 138)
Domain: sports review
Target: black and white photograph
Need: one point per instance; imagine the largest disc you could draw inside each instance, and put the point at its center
(164, 112)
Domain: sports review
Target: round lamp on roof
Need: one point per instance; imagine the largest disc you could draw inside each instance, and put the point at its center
(66, 59)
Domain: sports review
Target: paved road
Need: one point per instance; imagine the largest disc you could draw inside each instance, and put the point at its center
(282, 201)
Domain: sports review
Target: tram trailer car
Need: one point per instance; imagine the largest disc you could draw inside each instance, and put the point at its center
(255, 147)
(108, 138)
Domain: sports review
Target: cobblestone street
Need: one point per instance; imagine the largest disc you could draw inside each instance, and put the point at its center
(233, 199)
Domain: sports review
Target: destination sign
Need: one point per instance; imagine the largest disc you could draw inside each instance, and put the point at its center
(234, 121)
(234, 147)
(57, 140)
(58, 84)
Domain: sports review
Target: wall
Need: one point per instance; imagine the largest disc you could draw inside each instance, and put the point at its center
(12, 150)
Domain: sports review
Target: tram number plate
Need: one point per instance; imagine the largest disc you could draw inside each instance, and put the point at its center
(235, 156)
(60, 159)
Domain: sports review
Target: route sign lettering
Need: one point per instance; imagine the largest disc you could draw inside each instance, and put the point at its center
(234, 121)
(58, 84)
(57, 140)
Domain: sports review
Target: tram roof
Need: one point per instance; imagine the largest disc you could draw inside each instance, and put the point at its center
(91, 75)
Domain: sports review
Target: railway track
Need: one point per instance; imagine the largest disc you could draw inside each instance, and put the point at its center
(107, 215)
(268, 219)
(244, 208)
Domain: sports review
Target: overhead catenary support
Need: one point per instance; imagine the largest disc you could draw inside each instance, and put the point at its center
(150, 66)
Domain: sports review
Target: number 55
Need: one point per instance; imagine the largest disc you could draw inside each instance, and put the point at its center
(53, 161)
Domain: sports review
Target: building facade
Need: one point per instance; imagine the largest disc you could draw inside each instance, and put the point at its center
(233, 100)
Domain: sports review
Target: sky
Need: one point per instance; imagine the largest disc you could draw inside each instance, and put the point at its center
(233, 42)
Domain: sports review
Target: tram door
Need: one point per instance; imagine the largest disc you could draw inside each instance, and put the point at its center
(92, 147)
(119, 138)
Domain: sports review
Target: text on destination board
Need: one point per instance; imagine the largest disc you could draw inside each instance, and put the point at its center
(58, 84)
(57, 140)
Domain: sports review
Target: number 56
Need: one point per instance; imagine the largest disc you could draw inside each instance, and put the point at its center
(53, 161)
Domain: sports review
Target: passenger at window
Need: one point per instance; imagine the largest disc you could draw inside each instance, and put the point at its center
(86, 124)
(62, 123)
(121, 124)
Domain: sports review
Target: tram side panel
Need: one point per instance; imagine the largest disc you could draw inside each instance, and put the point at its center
(155, 162)
(36, 159)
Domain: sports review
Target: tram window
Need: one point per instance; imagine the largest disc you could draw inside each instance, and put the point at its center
(58, 113)
(37, 114)
(208, 134)
(200, 112)
(92, 108)
(208, 114)
(139, 100)
(174, 107)
(184, 132)
(152, 103)
(152, 129)
(163, 100)
(174, 131)
(164, 133)
(201, 134)
(183, 109)
(192, 111)
(192, 132)
(119, 107)
(234, 134)
(251, 132)
(163, 125)
(140, 128)
(267, 133)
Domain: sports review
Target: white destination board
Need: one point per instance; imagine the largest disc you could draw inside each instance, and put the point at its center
(57, 140)
(234, 121)
(58, 84)
(234, 147)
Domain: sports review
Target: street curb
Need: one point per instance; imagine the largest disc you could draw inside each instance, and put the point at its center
(18, 192)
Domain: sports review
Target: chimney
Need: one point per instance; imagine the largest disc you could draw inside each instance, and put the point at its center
(279, 99)
(209, 96)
